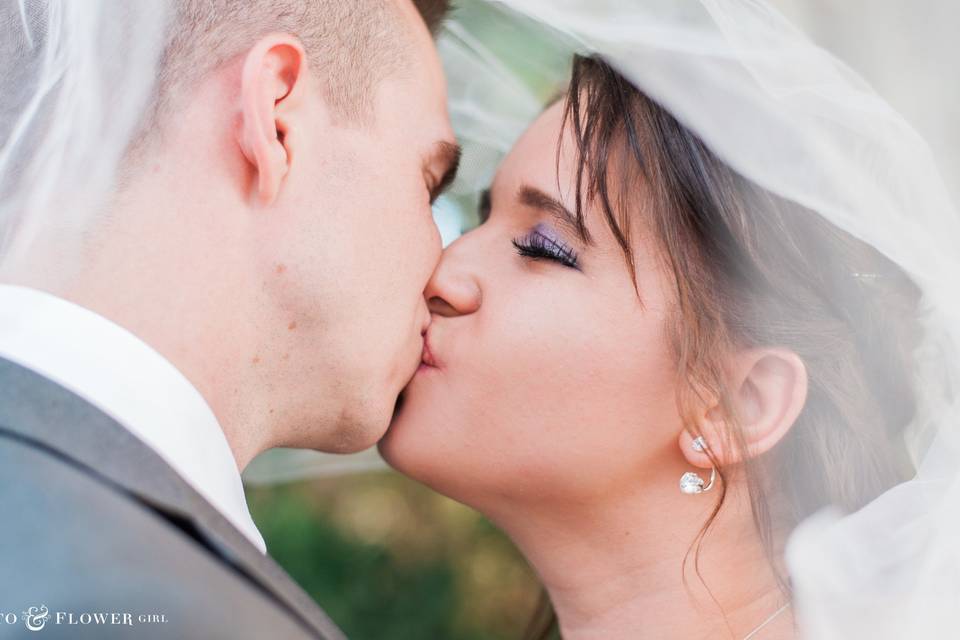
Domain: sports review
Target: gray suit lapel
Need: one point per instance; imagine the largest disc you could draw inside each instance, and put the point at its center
(36, 409)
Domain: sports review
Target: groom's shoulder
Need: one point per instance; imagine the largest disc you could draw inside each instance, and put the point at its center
(76, 544)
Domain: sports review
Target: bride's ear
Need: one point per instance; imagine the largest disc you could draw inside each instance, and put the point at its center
(769, 389)
(271, 101)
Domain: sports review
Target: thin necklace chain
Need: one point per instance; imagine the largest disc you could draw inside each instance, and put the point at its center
(767, 621)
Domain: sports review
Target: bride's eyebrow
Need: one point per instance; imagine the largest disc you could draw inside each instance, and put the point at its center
(535, 198)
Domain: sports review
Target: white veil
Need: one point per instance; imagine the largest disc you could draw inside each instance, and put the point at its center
(75, 80)
(791, 117)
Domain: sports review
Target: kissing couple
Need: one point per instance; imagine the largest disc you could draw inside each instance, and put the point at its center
(695, 349)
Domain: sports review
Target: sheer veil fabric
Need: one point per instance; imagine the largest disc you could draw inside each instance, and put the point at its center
(77, 78)
(791, 117)
(794, 119)
(782, 111)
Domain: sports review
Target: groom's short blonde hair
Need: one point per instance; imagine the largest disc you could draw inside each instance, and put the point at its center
(350, 44)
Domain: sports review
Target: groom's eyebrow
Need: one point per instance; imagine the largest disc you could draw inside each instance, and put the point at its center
(446, 158)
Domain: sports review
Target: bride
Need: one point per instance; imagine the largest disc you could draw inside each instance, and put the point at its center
(648, 369)
(607, 381)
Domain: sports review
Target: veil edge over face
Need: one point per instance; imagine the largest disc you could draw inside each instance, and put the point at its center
(791, 118)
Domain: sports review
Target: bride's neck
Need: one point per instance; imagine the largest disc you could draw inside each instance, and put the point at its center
(615, 569)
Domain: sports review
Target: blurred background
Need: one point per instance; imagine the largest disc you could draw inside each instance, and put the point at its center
(388, 558)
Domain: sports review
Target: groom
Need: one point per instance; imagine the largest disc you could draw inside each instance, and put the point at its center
(256, 282)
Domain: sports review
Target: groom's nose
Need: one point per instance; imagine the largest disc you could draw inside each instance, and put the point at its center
(453, 290)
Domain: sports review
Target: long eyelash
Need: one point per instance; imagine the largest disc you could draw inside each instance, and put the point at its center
(538, 246)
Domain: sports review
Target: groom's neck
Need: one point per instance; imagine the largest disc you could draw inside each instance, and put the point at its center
(180, 294)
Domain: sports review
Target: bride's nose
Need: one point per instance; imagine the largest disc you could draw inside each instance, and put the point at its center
(453, 290)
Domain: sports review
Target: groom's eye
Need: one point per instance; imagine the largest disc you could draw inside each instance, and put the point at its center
(445, 161)
(435, 187)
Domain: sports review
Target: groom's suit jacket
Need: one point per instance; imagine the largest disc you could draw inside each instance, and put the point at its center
(92, 521)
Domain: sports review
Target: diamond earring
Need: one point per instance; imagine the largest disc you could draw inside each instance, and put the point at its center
(690, 482)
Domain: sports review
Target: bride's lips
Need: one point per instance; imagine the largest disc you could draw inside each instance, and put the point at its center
(427, 359)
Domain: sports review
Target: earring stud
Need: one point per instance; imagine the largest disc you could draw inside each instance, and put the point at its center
(690, 482)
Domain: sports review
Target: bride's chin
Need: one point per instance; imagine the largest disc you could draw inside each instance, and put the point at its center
(402, 446)
(398, 407)
(387, 444)
(423, 372)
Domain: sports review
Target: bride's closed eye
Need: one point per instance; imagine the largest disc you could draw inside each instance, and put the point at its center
(542, 243)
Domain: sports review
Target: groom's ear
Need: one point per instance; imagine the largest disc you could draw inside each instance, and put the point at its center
(272, 88)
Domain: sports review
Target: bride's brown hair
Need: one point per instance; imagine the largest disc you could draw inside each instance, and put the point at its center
(750, 268)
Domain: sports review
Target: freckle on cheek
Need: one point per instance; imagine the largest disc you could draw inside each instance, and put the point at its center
(256, 360)
(292, 326)
(281, 268)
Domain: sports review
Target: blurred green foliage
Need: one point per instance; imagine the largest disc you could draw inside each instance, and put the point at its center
(389, 559)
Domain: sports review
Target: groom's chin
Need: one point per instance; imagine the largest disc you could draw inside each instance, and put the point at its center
(356, 428)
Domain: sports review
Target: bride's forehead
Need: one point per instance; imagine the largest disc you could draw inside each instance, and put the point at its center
(545, 128)
(534, 155)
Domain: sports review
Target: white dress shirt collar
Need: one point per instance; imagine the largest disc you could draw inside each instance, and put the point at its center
(121, 375)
